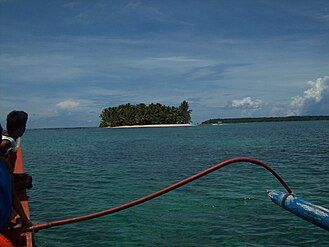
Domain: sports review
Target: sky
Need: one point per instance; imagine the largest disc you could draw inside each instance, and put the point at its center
(65, 61)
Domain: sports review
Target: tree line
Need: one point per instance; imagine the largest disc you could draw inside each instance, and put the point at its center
(265, 119)
(142, 114)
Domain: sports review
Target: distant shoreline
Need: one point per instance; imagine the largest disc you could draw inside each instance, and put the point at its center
(150, 126)
(263, 119)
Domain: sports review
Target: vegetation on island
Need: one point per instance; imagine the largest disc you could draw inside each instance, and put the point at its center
(265, 119)
(142, 114)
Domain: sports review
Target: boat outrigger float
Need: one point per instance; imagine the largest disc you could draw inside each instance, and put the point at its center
(287, 200)
(308, 211)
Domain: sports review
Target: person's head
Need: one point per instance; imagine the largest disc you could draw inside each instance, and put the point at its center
(16, 123)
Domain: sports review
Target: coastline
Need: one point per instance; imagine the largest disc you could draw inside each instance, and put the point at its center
(264, 119)
(150, 126)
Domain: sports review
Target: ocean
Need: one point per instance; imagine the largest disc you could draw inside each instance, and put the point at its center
(79, 171)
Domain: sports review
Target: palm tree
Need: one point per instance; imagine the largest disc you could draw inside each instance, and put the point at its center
(142, 114)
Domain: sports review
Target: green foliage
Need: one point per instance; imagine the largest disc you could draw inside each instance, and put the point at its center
(142, 114)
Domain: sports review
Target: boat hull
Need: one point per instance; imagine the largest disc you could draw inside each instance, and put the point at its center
(13, 237)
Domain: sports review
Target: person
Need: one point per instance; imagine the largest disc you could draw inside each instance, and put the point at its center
(16, 125)
(5, 193)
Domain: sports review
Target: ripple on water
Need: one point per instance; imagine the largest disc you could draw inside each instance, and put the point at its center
(73, 176)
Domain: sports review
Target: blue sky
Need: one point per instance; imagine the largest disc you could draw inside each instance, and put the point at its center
(64, 61)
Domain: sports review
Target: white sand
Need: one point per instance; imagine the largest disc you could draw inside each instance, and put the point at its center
(152, 126)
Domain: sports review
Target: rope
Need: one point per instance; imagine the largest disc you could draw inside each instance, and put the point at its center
(40, 226)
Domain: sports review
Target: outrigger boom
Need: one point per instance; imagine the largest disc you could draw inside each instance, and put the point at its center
(308, 211)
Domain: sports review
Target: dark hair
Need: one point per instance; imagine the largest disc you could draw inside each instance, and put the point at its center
(1, 130)
(16, 119)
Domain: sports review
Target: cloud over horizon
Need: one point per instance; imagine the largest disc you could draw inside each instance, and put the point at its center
(314, 101)
(247, 104)
(68, 104)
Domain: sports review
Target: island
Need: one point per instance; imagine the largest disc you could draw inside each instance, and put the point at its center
(218, 121)
(142, 115)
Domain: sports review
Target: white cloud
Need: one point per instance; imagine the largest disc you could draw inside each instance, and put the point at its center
(247, 106)
(246, 103)
(297, 101)
(315, 100)
(317, 89)
(68, 104)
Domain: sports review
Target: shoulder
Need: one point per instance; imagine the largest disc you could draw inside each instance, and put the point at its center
(5, 143)
(9, 140)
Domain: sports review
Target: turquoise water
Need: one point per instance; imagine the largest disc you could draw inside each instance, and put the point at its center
(78, 171)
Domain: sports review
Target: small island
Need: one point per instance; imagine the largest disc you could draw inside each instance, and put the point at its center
(142, 115)
(263, 119)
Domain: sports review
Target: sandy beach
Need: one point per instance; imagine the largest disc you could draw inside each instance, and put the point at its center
(151, 126)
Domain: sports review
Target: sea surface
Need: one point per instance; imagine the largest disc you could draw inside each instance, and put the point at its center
(79, 171)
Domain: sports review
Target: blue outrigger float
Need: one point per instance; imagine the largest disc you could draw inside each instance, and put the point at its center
(317, 215)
